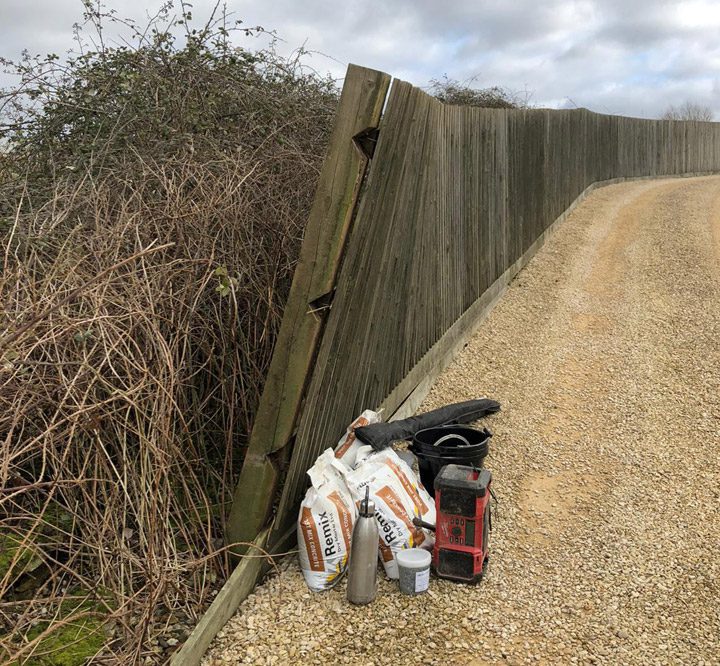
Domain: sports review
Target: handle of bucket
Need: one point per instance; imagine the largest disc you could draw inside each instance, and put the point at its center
(485, 431)
(444, 438)
(428, 456)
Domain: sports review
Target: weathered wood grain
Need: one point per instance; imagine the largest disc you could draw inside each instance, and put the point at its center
(361, 103)
(455, 203)
(456, 200)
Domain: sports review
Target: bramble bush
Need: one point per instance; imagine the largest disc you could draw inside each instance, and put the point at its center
(456, 93)
(152, 202)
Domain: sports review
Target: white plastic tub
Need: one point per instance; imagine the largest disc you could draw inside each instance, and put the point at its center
(414, 567)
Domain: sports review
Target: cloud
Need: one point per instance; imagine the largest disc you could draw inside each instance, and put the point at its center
(621, 56)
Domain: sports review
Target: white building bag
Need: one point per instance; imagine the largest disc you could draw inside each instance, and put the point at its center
(347, 447)
(399, 497)
(325, 524)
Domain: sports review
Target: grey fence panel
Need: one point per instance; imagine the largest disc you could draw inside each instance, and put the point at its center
(454, 198)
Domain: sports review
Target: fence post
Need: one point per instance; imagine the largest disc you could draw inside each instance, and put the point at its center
(361, 104)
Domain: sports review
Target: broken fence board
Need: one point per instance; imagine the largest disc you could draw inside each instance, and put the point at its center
(360, 106)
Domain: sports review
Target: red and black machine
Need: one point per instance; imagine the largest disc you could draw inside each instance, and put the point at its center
(462, 530)
(463, 523)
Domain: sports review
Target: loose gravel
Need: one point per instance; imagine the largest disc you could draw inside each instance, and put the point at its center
(605, 355)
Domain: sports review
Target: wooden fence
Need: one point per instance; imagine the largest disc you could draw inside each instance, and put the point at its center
(456, 200)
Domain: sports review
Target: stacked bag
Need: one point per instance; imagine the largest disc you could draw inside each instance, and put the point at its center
(325, 524)
(399, 497)
(328, 512)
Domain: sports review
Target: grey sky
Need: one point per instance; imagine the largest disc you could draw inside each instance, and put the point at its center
(619, 56)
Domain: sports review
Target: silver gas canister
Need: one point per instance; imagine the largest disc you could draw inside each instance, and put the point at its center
(362, 572)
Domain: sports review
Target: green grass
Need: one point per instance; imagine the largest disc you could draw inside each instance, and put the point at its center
(70, 645)
(10, 546)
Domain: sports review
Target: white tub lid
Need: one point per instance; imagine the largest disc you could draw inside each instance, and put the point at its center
(414, 558)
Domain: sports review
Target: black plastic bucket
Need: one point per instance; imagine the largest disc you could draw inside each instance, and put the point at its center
(448, 445)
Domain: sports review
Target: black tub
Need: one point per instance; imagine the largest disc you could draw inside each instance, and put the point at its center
(448, 445)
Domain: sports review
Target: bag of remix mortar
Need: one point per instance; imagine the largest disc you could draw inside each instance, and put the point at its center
(399, 497)
(347, 447)
(325, 524)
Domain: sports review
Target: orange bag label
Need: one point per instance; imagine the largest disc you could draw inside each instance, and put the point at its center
(385, 551)
(345, 517)
(312, 540)
(357, 423)
(387, 495)
(390, 498)
(408, 486)
(345, 445)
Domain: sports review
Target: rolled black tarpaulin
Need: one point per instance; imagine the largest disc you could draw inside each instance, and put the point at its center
(381, 435)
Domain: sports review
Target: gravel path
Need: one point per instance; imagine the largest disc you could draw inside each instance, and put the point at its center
(605, 354)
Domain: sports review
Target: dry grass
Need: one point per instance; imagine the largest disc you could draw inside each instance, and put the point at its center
(141, 294)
